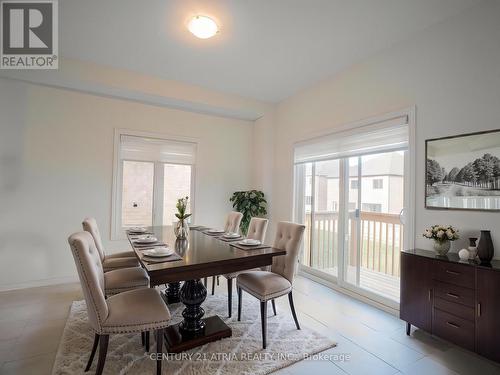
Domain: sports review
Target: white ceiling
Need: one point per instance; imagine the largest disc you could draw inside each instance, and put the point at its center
(266, 49)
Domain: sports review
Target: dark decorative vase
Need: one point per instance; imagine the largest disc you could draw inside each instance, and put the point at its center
(485, 249)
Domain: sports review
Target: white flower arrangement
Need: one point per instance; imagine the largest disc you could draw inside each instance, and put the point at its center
(441, 233)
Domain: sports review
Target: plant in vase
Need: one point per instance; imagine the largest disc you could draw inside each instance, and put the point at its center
(181, 229)
(442, 236)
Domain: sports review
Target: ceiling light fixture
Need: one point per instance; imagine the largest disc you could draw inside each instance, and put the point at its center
(203, 27)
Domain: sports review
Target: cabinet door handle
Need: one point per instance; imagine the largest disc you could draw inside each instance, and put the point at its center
(453, 325)
(453, 295)
(453, 272)
(430, 294)
(478, 309)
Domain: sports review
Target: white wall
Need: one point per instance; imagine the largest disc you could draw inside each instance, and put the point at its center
(115, 82)
(56, 160)
(450, 72)
(263, 161)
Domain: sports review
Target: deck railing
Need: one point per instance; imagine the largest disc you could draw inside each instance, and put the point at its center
(381, 241)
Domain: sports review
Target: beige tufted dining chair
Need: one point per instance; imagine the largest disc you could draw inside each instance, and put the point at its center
(110, 262)
(140, 310)
(268, 285)
(117, 280)
(257, 231)
(232, 225)
(233, 222)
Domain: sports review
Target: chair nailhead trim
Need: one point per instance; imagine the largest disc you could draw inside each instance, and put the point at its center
(86, 282)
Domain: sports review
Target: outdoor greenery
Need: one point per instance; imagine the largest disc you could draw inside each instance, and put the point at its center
(250, 203)
(483, 172)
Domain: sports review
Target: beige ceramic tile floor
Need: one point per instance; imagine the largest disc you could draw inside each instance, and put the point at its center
(32, 321)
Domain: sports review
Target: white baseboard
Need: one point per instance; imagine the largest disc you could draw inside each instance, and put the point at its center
(350, 293)
(38, 283)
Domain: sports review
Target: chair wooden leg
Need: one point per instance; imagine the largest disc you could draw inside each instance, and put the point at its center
(147, 341)
(205, 282)
(230, 296)
(213, 285)
(103, 350)
(159, 350)
(290, 299)
(239, 302)
(263, 319)
(274, 307)
(92, 353)
(218, 280)
(143, 340)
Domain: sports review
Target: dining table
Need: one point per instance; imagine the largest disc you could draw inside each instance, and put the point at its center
(200, 255)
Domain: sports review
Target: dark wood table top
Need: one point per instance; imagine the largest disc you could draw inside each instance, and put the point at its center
(202, 256)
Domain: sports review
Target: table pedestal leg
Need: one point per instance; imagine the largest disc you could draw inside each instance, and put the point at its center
(172, 293)
(194, 330)
(193, 293)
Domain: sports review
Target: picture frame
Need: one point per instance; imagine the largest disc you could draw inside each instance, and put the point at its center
(462, 172)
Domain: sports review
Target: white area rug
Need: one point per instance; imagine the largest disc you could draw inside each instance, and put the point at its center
(240, 354)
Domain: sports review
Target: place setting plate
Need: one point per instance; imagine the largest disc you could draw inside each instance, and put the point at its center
(159, 252)
(137, 230)
(145, 240)
(215, 232)
(249, 244)
(230, 236)
(160, 255)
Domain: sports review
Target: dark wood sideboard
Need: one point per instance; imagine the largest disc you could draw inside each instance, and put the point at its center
(457, 301)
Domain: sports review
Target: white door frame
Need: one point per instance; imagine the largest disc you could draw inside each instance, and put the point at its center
(409, 205)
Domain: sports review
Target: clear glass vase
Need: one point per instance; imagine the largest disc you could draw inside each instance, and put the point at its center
(181, 229)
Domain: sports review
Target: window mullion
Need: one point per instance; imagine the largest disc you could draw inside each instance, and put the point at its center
(158, 190)
(118, 200)
(313, 213)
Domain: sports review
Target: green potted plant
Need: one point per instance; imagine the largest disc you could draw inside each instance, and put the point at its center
(250, 203)
(181, 229)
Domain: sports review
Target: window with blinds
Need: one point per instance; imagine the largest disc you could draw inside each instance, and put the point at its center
(152, 174)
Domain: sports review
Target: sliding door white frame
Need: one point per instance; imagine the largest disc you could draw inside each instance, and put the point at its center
(409, 204)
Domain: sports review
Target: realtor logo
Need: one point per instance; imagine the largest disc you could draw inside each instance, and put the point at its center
(29, 34)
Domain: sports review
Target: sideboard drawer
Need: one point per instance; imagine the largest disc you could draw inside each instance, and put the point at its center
(454, 274)
(454, 293)
(456, 309)
(454, 329)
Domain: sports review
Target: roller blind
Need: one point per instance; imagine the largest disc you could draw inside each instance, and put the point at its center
(388, 135)
(155, 149)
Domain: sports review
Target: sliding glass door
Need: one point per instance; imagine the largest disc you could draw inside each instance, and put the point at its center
(320, 213)
(375, 232)
(352, 206)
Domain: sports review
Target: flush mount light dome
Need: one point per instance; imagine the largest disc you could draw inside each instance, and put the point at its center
(203, 27)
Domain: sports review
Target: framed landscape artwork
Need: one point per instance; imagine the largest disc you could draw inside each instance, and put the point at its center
(463, 172)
